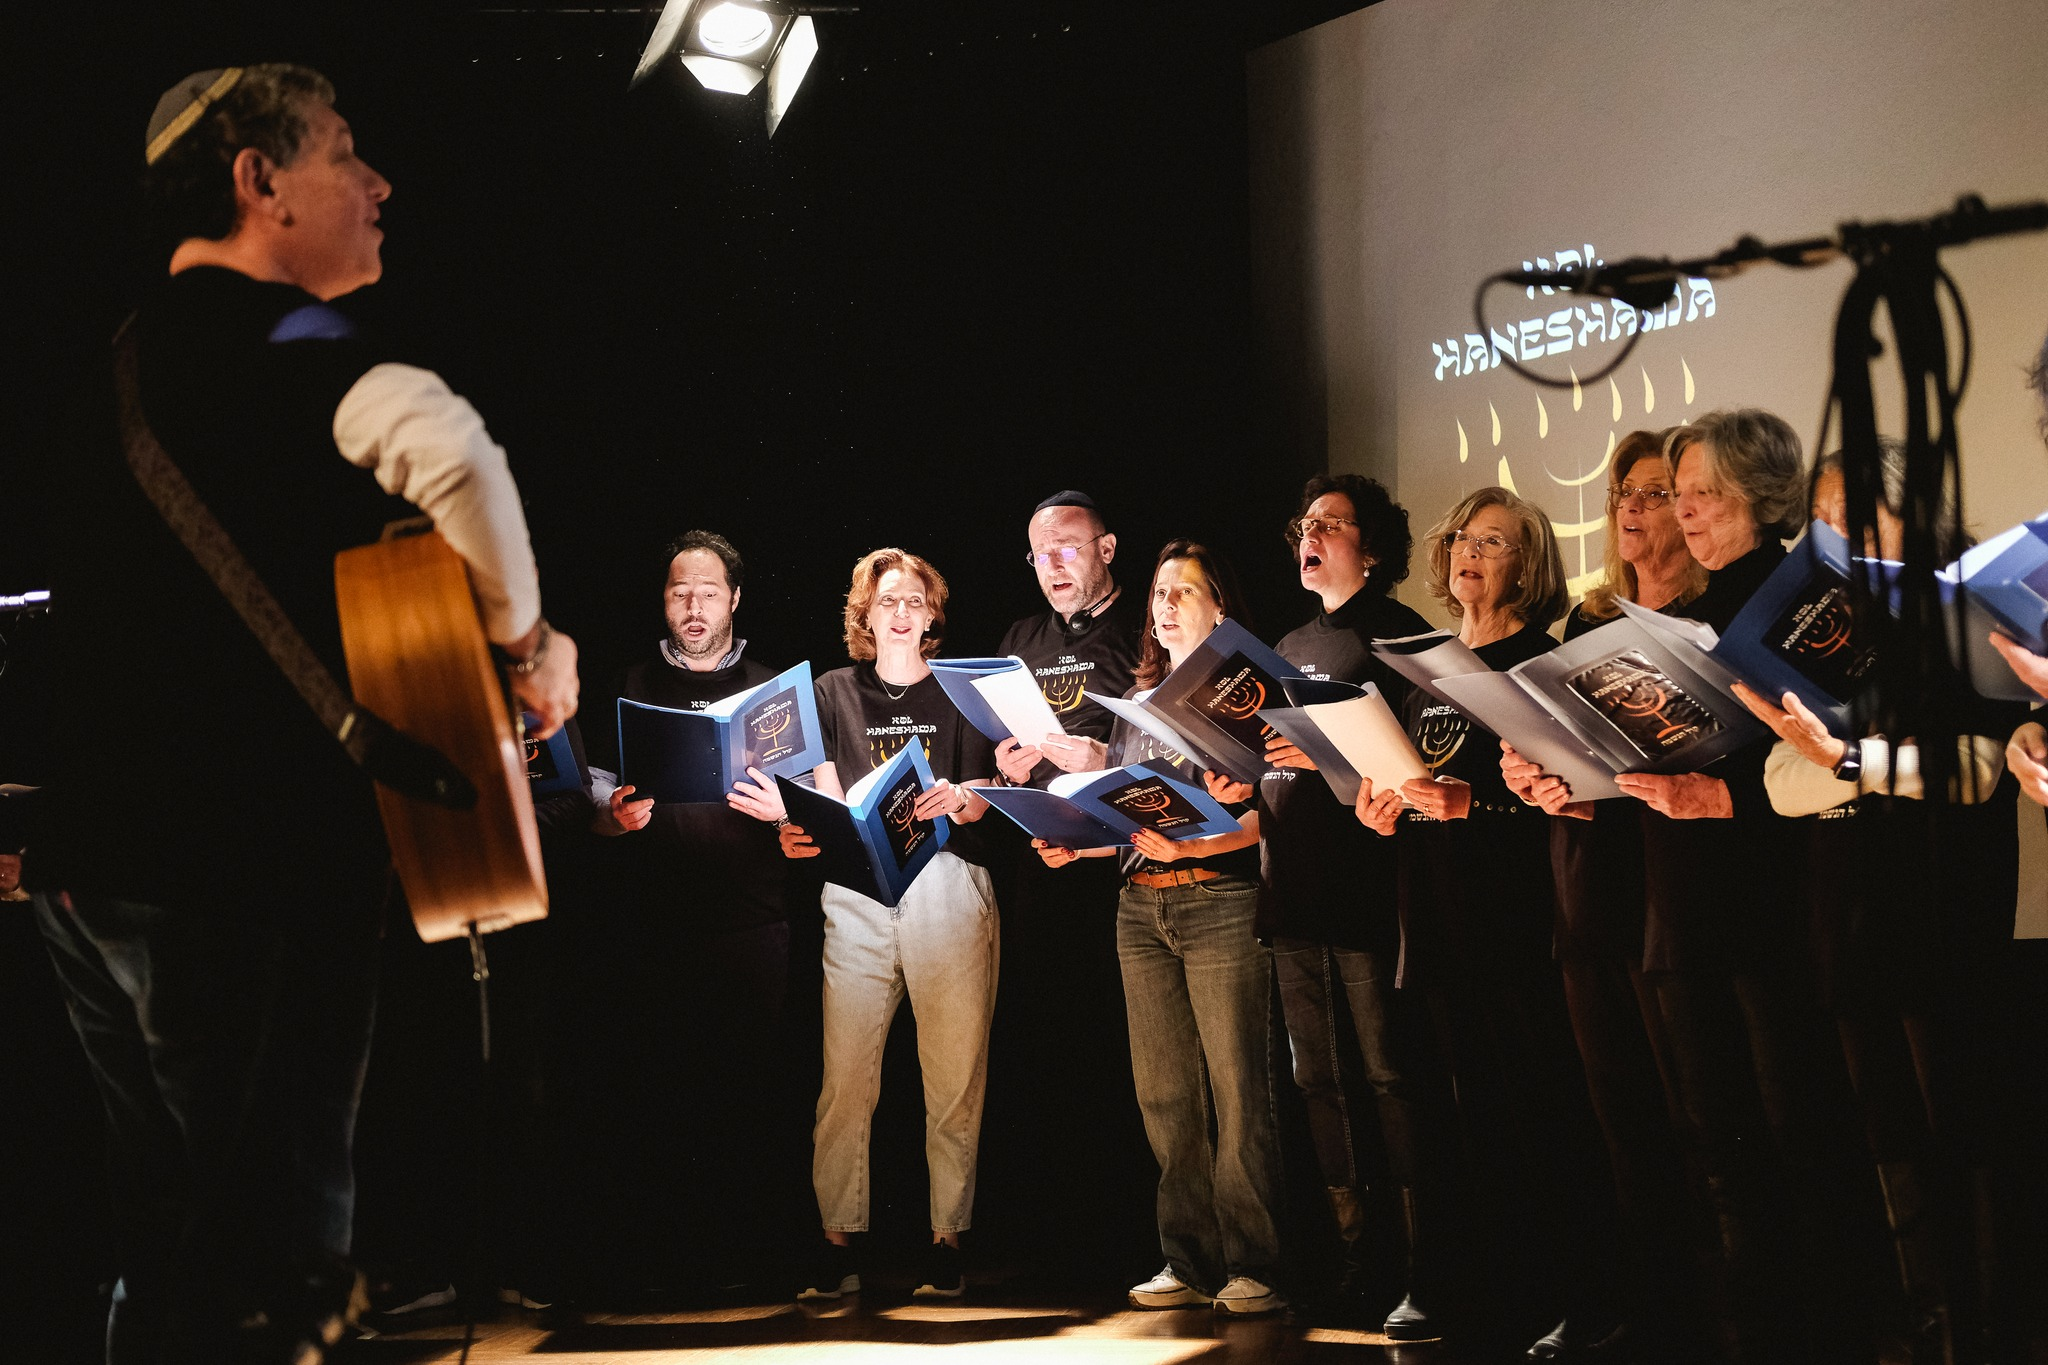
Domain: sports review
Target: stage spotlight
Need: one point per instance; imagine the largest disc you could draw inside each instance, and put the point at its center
(730, 45)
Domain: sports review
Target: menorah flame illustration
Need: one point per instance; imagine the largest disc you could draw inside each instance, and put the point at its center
(1242, 700)
(903, 815)
(1647, 701)
(1063, 693)
(1831, 630)
(1149, 802)
(767, 728)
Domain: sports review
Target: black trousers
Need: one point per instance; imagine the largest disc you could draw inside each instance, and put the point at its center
(1538, 1165)
(1621, 1041)
(1790, 1186)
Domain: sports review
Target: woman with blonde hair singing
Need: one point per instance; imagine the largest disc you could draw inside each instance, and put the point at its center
(938, 946)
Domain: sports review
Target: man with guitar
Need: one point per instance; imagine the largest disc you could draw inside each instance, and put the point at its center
(210, 867)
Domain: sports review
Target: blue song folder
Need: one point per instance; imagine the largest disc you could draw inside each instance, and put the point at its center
(998, 697)
(871, 842)
(1104, 809)
(1208, 708)
(550, 763)
(2001, 585)
(677, 755)
(1794, 635)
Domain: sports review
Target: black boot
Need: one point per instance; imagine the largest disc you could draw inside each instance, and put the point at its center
(1410, 1321)
(1584, 1339)
(1919, 1261)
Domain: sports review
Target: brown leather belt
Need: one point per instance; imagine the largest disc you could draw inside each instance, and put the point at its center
(1180, 876)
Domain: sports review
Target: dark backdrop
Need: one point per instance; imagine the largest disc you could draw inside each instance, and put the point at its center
(995, 250)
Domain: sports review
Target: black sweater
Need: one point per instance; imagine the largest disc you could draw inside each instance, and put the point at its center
(1327, 878)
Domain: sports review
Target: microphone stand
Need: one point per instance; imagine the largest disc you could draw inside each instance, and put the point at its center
(1919, 654)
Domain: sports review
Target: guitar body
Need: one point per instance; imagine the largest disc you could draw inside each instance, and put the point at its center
(417, 657)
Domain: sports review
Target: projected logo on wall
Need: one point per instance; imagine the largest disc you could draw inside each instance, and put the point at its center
(1564, 461)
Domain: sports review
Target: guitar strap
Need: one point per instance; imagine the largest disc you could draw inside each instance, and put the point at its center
(387, 755)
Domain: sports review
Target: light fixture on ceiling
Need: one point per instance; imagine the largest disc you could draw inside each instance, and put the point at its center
(731, 45)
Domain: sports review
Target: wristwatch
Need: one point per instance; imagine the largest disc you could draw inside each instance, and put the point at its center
(1850, 767)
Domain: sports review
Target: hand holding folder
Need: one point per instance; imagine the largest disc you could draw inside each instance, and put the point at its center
(1208, 707)
(676, 755)
(1349, 732)
(873, 841)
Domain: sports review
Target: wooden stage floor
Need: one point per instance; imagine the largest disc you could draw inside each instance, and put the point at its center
(894, 1330)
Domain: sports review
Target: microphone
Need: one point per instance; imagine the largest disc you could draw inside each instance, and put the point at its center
(1642, 282)
(33, 600)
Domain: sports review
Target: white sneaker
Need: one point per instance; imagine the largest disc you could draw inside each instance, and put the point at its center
(1165, 1290)
(1246, 1295)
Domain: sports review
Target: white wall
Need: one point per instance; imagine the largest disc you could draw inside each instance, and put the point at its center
(1403, 152)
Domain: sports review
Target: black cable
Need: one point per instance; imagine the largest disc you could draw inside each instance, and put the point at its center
(1479, 318)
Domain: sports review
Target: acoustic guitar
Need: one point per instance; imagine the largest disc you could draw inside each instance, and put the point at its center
(418, 658)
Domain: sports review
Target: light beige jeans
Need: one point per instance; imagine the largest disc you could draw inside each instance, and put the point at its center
(939, 947)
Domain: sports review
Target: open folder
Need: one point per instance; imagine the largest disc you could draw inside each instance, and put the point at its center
(998, 697)
(1104, 809)
(871, 842)
(1640, 694)
(1796, 633)
(1349, 732)
(1208, 707)
(677, 755)
(2001, 585)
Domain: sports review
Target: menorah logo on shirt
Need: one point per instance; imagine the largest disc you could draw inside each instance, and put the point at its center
(1063, 693)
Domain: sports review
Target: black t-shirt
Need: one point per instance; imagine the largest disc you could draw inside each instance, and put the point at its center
(1598, 863)
(866, 721)
(1128, 744)
(704, 860)
(1477, 891)
(1453, 746)
(1100, 660)
(1327, 878)
(1716, 891)
(189, 768)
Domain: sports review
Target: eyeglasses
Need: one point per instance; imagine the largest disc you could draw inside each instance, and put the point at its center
(1488, 547)
(1650, 498)
(1302, 527)
(1065, 554)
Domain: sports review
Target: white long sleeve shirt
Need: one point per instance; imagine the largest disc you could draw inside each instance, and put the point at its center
(425, 443)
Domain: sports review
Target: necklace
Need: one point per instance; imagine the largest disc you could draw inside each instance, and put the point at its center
(893, 695)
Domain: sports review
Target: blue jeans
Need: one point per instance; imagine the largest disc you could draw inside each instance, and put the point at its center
(229, 1051)
(1198, 990)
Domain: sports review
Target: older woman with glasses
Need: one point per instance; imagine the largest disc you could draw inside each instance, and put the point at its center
(1725, 949)
(1477, 909)
(1597, 862)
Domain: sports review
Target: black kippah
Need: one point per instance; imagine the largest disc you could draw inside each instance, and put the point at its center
(1069, 497)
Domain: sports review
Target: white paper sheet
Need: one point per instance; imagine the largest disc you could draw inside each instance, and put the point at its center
(1017, 702)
